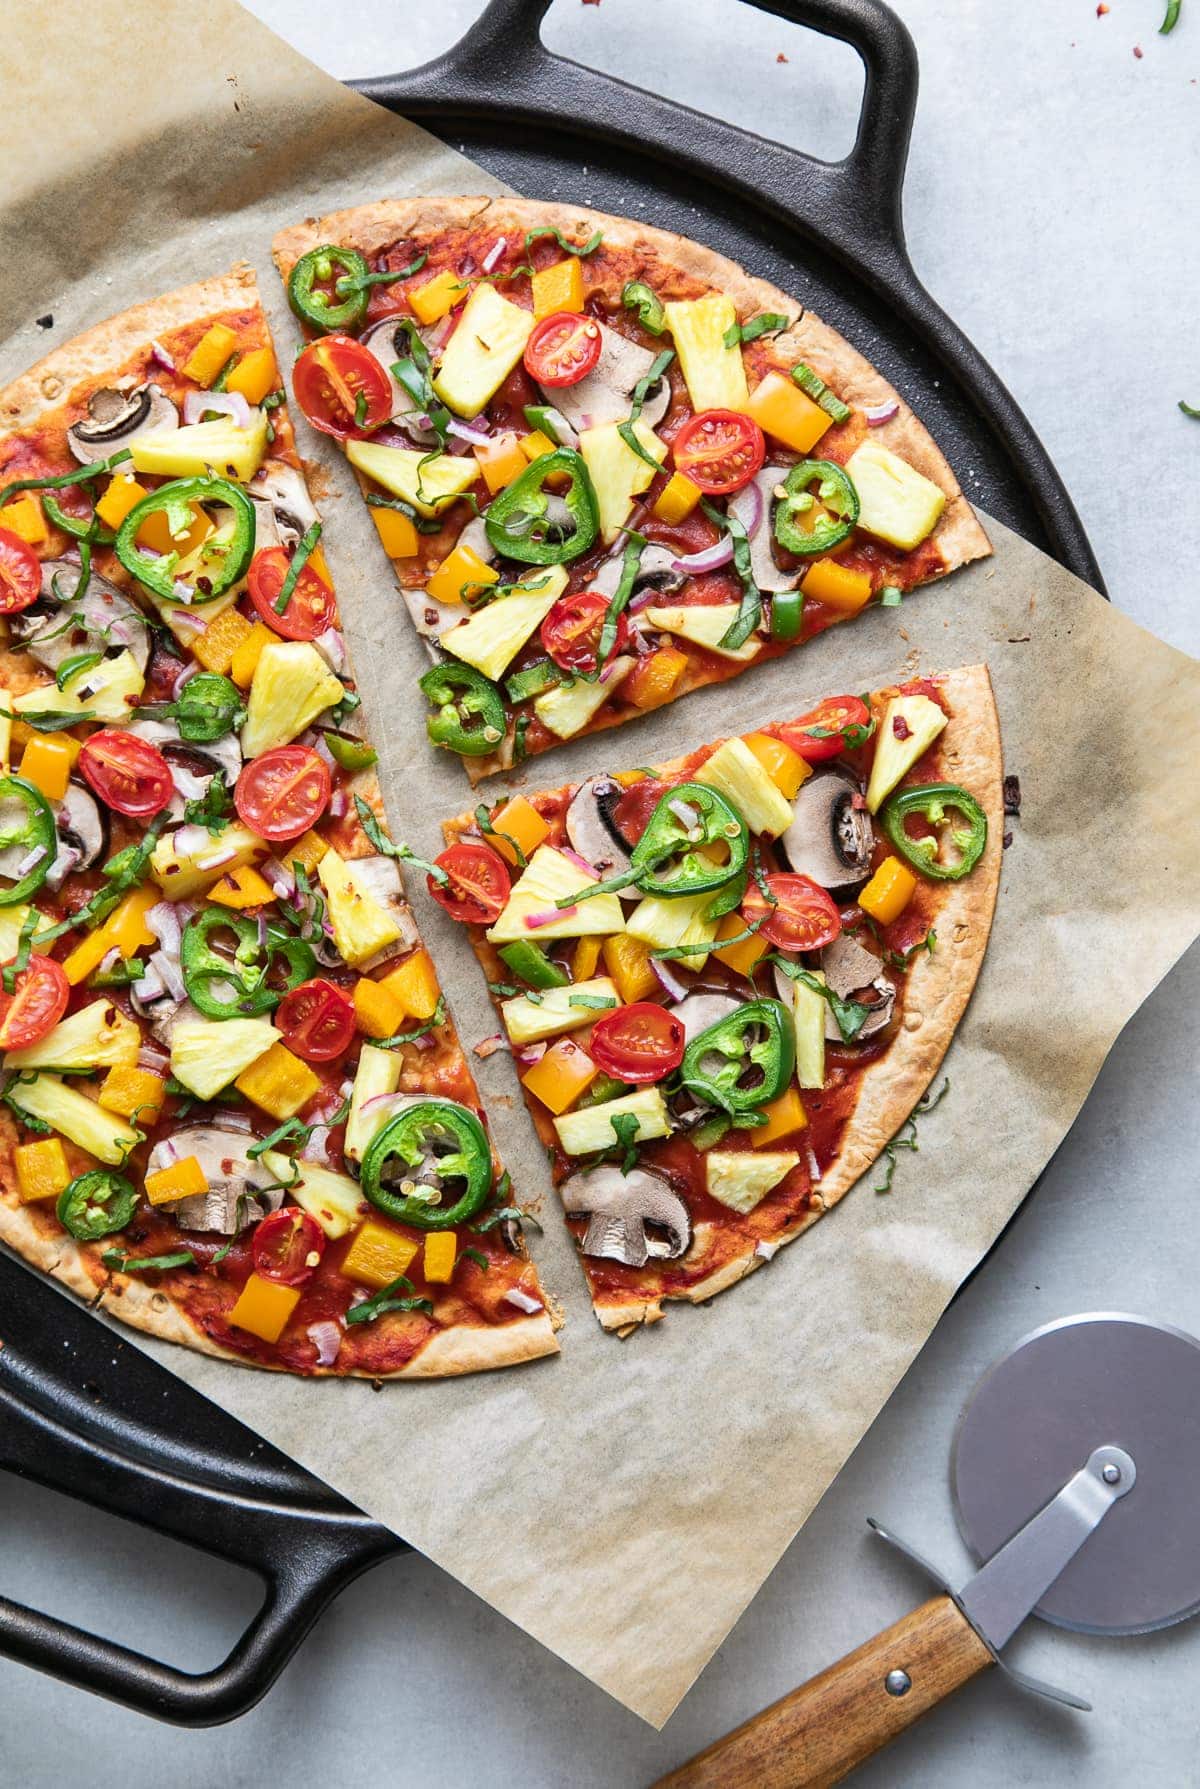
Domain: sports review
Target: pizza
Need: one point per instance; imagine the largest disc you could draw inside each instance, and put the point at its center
(235, 1114)
(609, 465)
(729, 981)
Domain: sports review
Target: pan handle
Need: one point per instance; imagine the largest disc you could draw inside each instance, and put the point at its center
(502, 67)
(303, 1559)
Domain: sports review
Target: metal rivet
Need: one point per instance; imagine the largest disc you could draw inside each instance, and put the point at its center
(897, 1683)
(1111, 1474)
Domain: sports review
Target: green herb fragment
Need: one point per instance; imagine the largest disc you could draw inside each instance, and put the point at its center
(80, 476)
(637, 296)
(631, 558)
(477, 1256)
(906, 1136)
(626, 1125)
(640, 392)
(769, 323)
(1171, 17)
(123, 1263)
(386, 1300)
(813, 386)
(750, 609)
(484, 822)
(1192, 410)
(410, 1037)
(349, 283)
(598, 1002)
(569, 248)
(299, 561)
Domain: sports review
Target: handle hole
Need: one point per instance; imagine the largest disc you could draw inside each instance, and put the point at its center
(120, 1581)
(810, 102)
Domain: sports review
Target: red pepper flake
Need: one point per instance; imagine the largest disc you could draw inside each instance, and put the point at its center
(781, 57)
(1138, 51)
(900, 727)
(1101, 10)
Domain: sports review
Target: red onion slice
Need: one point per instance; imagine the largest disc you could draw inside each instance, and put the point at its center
(326, 1338)
(876, 414)
(534, 920)
(581, 863)
(168, 971)
(227, 403)
(709, 559)
(488, 264)
(473, 435)
(667, 980)
(518, 1296)
(161, 358)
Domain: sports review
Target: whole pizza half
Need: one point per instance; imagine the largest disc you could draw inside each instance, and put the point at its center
(609, 465)
(234, 1111)
(728, 981)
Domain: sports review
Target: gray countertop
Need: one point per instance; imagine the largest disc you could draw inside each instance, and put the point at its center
(1050, 201)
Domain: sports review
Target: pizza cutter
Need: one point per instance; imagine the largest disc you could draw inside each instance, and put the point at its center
(1074, 1477)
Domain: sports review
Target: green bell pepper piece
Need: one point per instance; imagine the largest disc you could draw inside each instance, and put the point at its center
(787, 614)
(531, 963)
(34, 828)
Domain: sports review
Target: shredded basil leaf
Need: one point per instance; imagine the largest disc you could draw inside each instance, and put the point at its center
(117, 1258)
(750, 609)
(1192, 410)
(410, 1037)
(906, 1136)
(484, 822)
(80, 476)
(631, 558)
(637, 296)
(597, 1001)
(299, 561)
(769, 323)
(569, 248)
(1171, 17)
(386, 1300)
(626, 1126)
(477, 1256)
(641, 390)
(348, 283)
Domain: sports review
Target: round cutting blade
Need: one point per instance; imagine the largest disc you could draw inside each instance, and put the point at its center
(1034, 1419)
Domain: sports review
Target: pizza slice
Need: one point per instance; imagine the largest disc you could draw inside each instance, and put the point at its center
(729, 981)
(234, 1113)
(609, 465)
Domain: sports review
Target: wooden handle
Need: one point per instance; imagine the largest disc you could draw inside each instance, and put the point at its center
(819, 1733)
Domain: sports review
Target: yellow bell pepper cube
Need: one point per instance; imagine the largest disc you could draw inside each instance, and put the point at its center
(628, 962)
(42, 1171)
(654, 678)
(583, 963)
(500, 461)
(278, 1082)
(397, 533)
(742, 957)
(837, 587)
(156, 533)
(210, 354)
(183, 1179)
(558, 287)
(889, 891)
(244, 662)
(376, 1009)
(536, 444)
(122, 494)
(438, 296)
(125, 930)
(677, 499)
(520, 821)
(377, 1256)
(786, 768)
(24, 516)
(243, 887)
(441, 1254)
(216, 646)
(781, 409)
(564, 1072)
(784, 1115)
(127, 1091)
(461, 574)
(254, 375)
(307, 850)
(263, 1307)
(415, 985)
(46, 763)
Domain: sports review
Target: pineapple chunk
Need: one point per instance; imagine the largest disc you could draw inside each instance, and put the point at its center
(551, 877)
(922, 721)
(556, 1011)
(808, 1027)
(184, 873)
(97, 1036)
(742, 1180)
(6, 711)
(734, 772)
(207, 1054)
(590, 1129)
(705, 624)
(334, 1200)
(618, 474)
(292, 686)
(485, 347)
(491, 638)
(378, 1075)
(897, 503)
(107, 691)
(79, 1119)
(663, 924)
(362, 925)
(567, 709)
(713, 373)
(11, 921)
(429, 485)
(203, 447)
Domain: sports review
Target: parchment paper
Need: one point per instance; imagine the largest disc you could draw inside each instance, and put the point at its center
(624, 1502)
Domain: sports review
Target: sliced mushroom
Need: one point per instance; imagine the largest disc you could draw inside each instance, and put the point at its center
(280, 489)
(656, 571)
(430, 617)
(115, 417)
(831, 837)
(82, 833)
(855, 973)
(224, 754)
(380, 876)
(698, 1011)
(239, 1190)
(620, 1206)
(606, 395)
(56, 627)
(389, 343)
(592, 827)
(752, 507)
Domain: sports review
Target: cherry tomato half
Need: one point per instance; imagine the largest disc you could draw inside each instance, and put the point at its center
(310, 608)
(803, 917)
(571, 631)
(821, 734)
(317, 1020)
(288, 1246)
(37, 1003)
(478, 886)
(642, 1042)
(719, 450)
(130, 775)
(341, 387)
(562, 349)
(283, 793)
(20, 573)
